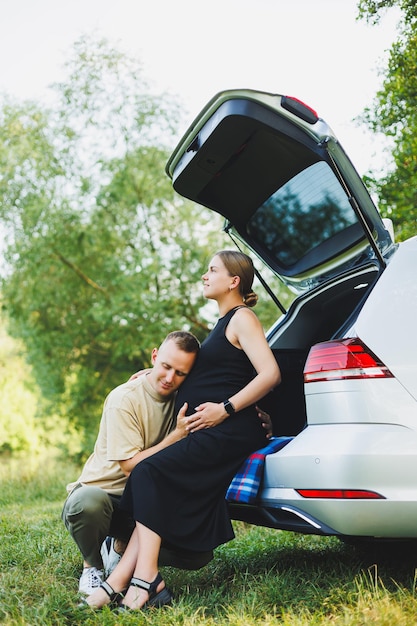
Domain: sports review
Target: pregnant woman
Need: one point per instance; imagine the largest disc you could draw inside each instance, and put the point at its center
(178, 495)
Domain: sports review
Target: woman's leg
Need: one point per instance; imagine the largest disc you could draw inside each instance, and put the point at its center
(146, 567)
(120, 577)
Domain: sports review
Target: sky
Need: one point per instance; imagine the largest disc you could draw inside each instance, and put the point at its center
(314, 50)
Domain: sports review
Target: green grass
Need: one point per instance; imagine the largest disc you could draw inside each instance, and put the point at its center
(264, 577)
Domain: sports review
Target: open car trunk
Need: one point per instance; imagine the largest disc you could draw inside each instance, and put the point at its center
(286, 188)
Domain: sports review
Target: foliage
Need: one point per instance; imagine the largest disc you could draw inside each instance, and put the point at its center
(373, 10)
(102, 258)
(25, 427)
(17, 399)
(263, 577)
(394, 114)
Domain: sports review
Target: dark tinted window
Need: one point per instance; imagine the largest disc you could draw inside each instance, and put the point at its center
(307, 211)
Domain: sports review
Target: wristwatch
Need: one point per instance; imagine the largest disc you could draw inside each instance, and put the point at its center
(229, 408)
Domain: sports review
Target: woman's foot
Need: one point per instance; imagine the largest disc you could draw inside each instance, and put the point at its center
(105, 594)
(142, 594)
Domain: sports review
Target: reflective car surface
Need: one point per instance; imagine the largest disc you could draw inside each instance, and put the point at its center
(347, 346)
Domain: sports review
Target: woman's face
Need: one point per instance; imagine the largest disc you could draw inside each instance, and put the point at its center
(217, 280)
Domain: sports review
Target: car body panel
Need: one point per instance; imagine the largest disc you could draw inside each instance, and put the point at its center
(359, 401)
(398, 347)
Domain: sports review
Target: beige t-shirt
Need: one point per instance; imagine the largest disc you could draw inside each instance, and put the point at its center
(135, 417)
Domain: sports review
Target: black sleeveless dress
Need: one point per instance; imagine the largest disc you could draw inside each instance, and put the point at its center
(179, 492)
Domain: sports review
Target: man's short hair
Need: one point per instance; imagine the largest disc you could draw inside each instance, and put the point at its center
(184, 341)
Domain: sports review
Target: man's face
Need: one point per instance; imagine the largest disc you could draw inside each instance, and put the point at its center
(170, 367)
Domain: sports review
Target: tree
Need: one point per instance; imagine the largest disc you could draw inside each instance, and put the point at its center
(394, 113)
(24, 429)
(102, 259)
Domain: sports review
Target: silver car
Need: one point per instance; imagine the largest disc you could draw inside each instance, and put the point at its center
(347, 345)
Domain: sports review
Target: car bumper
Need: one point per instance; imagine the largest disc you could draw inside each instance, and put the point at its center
(376, 457)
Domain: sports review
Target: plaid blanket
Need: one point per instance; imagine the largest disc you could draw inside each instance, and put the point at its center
(245, 485)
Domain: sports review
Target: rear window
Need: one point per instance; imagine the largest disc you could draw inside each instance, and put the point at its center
(309, 216)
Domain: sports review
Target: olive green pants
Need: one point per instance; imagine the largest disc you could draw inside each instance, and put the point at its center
(90, 515)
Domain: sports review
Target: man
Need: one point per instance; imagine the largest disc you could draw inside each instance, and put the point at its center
(137, 421)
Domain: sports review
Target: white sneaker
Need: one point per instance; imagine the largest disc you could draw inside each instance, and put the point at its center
(90, 580)
(109, 555)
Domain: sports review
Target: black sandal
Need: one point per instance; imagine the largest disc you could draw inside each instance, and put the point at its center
(115, 597)
(160, 599)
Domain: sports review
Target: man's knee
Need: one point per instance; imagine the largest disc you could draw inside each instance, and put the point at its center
(87, 503)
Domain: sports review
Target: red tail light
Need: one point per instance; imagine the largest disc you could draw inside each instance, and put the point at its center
(340, 494)
(298, 108)
(343, 360)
